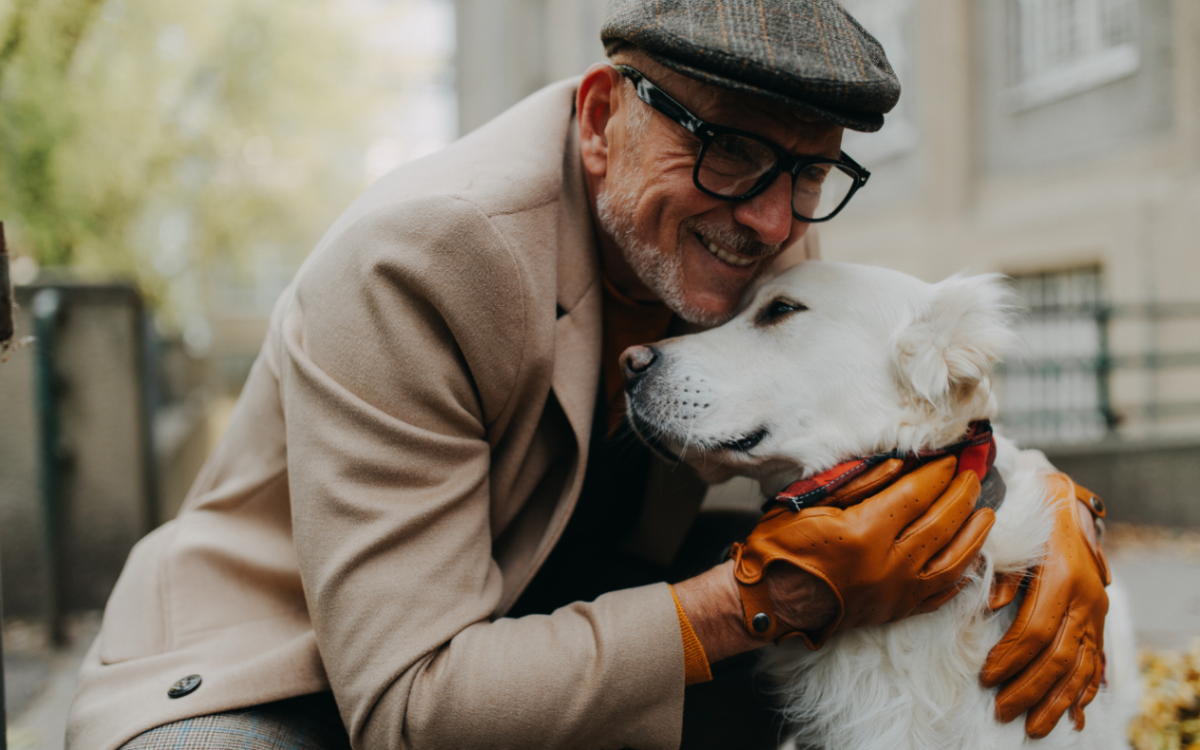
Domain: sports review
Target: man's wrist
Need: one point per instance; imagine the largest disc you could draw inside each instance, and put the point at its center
(714, 608)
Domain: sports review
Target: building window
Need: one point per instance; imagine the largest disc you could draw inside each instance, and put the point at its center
(1062, 47)
(1055, 391)
(891, 22)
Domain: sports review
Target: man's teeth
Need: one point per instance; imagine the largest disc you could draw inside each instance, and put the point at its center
(729, 258)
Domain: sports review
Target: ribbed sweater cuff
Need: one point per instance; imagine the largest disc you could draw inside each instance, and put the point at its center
(695, 661)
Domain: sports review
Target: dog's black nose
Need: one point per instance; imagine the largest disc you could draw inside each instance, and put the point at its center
(636, 361)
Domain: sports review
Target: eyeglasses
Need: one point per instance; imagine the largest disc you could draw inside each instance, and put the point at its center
(734, 165)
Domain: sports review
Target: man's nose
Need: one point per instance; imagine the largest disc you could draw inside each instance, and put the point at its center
(770, 212)
(636, 361)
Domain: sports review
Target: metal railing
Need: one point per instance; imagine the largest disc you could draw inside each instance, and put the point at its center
(1063, 391)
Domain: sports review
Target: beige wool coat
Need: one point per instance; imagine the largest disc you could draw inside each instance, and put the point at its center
(409, 446)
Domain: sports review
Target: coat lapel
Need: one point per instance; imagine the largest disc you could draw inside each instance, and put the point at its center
(577, 332)
(574, 380)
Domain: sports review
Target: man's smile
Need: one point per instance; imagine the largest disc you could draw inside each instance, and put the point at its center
(734, 251)
(724, 254)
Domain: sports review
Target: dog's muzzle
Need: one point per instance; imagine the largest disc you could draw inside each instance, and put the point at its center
(637, 364)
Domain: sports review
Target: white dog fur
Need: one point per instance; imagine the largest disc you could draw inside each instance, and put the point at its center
(828, 362)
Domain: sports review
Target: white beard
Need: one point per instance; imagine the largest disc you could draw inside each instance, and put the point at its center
(662, 274)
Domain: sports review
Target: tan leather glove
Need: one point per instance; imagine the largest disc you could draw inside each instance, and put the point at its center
(1052, 657)
(900, 552)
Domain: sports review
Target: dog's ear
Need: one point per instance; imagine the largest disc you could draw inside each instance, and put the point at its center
(953, 344)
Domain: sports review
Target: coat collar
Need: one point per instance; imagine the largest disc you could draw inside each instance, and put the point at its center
(578, 251)
(577, 331)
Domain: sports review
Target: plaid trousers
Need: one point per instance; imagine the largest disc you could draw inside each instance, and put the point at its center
(309, 722)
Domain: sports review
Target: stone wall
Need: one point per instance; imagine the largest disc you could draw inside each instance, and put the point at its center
(107, 490)
(1148, 482)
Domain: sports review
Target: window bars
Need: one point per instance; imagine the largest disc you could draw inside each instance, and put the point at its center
(1057, 390)
(1091, 369)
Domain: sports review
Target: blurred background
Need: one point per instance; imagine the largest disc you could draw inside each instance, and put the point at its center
(165, 168)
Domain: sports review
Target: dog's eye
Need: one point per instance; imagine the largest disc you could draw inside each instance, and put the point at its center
(777, 308)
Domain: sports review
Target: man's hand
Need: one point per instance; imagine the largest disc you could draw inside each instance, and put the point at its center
(802, 601)
(714, 607)
(902, 551)
(1052, 657)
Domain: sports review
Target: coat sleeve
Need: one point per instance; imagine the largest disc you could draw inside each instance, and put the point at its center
(396, 348)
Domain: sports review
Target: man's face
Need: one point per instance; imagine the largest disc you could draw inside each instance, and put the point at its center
(697, 253)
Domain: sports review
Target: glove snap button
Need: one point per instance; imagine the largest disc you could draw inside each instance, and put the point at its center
(761, 622)
(1097, 505)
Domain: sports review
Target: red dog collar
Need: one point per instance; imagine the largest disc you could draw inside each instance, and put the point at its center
(976, 452)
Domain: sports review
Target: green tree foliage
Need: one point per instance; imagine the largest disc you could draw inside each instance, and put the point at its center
(146, 138)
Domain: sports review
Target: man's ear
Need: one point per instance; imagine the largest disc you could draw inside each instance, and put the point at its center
(594, 109)
(953, 345)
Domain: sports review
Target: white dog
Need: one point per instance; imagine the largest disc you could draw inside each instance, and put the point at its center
(829, 362)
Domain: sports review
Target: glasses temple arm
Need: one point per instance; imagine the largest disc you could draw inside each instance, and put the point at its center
(660, 100)
(862, 171)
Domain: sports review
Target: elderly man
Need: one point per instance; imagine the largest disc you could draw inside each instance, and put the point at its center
(426, 523)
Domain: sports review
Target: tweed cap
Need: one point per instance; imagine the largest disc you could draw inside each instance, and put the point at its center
(810, 55)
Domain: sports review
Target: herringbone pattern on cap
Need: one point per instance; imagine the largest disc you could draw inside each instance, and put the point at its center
(808, 54)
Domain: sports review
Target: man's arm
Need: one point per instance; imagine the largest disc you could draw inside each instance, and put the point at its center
(399, 348)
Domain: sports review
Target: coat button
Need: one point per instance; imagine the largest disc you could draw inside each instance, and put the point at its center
(183, 687)
(761, 622)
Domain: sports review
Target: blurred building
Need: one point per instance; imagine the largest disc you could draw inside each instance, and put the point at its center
(1056, 141)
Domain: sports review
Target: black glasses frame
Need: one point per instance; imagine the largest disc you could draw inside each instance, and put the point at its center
(707, 132)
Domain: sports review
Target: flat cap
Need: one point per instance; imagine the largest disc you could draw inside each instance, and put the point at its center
(810, 55)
